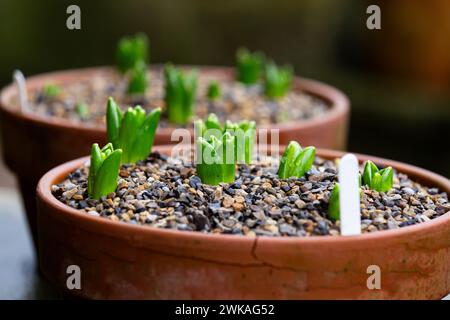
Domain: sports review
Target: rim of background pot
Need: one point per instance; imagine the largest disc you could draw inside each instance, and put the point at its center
(117, 229)
(337, 101)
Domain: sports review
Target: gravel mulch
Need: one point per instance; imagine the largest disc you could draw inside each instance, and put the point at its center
(238, 102)
(165, 193)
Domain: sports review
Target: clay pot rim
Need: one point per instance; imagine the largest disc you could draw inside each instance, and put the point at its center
(337, 100)
(103, 225)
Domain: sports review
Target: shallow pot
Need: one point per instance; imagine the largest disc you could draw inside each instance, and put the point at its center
(51, 141)
(124, 261)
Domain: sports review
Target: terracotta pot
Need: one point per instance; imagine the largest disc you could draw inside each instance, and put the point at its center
(124, 261)
(50, 141)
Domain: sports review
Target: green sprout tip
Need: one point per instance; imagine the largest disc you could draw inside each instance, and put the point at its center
(103, 171)
(215, 159)
(296, 161)
(131, 51)
(277, 80)
(132, 131)
(51, 90)
(378, 180)
(180, 94)
(138, 82)
(214, 91)
(243, 131)
(334, 211)
(249, 66)
(82, 110)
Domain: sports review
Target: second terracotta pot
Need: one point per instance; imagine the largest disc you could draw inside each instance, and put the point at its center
(33, 144)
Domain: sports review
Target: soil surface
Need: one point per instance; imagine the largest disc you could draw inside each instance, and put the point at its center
(165, 193)
(236, 103)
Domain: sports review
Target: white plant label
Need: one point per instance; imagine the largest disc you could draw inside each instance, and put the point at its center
(19, 79)
(349, 200)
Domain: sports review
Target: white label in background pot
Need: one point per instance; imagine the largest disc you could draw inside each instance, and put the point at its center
(349, 196)
(19, 79)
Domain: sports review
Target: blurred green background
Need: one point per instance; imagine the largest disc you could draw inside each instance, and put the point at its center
(397, 78)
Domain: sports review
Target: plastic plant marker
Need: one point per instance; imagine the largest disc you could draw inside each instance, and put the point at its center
(19, 79)
(349, 199)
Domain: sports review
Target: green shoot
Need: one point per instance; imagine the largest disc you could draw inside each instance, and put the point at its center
(139, 81)
(243, 131)
(378, 180)
(334, 211)
(249, 66)
(103, 171)
(215, 159)
(130, 51)
(277, 80)
(214, 91)
(296, 161)
(180, 94)
(132, 131)
(51, 90)
(82, 110)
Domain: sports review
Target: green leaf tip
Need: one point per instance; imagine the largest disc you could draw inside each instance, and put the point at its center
(180, 94)
(133, 131)
(277, 80)
(215, 159)
(219, 148)
(51, 90)
(296, 161)
(249, 66)
(138, 82)
(378, 180)
(82, 110)
(243, 131)
(214, 91)
(131, 50)
(103, 171)
(334, 211)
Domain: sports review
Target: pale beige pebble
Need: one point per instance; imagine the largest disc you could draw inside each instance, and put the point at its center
(70, 193)
(250, 234)
(271, 228)
(93, 213)
(78, 197)
(110, 202)
(270, 199)
(300, 204)
(241, 192)
(334, 232)
(266, 185)
(192, 190)
(379, 220)
(238, 206)
(227, 201)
